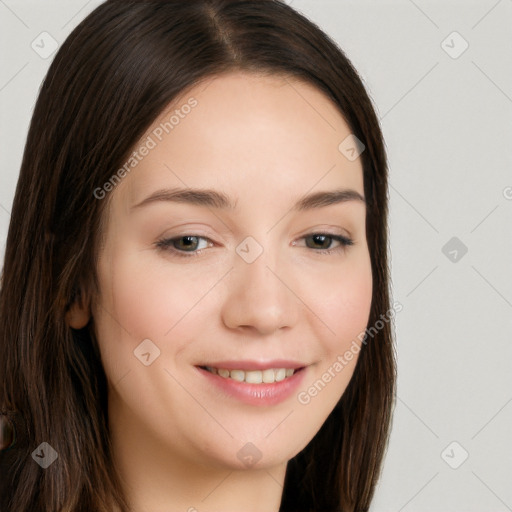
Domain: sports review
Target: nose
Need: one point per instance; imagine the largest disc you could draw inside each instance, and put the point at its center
(260, 297)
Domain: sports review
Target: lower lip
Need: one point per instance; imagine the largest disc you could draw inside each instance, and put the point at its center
(256, 394)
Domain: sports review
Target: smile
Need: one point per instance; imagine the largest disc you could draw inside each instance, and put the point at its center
(256, 386)
(268, 376)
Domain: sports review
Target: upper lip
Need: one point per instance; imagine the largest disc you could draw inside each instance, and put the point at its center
(255, 365)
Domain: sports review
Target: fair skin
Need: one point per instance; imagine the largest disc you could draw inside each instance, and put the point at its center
(265, 142)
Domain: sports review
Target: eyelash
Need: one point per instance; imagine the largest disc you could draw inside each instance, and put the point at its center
(165, 244)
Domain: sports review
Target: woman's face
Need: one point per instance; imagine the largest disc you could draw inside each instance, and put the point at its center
(190, 282)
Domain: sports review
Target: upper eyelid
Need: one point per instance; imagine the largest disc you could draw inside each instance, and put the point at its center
(206, 237)
(347, 238)
(332, 231)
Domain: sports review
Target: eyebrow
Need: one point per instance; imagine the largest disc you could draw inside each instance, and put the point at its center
(219, 200)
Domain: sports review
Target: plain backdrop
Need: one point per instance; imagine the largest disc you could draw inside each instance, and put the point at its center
(440, 76)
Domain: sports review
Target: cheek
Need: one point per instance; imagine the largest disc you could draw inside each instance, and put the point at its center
(345, 309)
(345, 304)
(142, 299)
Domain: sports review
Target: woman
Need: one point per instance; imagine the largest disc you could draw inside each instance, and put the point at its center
(254, 372)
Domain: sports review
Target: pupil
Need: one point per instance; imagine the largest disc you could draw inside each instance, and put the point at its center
(321, 237)
(189, 240)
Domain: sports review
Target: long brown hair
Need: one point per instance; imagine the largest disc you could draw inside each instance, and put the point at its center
(109, 81)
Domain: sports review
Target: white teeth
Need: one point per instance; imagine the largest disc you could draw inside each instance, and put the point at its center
(267, 376)
(254, 377)
(280, 374)
(238, 375)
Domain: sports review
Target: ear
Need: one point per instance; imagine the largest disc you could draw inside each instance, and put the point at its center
(79, 313)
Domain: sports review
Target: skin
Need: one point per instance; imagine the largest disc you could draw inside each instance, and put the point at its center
(264, 141)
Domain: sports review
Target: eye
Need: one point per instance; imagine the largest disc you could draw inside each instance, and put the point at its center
(327, 239)
(174, 245)
(187, 245)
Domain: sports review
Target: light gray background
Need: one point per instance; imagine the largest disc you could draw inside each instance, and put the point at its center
(448, 124)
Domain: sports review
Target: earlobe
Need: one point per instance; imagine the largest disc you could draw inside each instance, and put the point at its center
(78, 316)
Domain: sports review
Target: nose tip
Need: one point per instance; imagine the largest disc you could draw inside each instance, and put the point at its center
(259, 299)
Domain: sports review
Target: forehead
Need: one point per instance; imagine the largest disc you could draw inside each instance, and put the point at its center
(250, 135)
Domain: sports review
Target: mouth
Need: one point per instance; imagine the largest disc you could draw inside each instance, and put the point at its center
(264, 376)
(256, 383)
